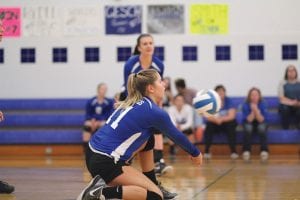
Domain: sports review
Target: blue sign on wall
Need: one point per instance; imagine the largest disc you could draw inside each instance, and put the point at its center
(123, 19)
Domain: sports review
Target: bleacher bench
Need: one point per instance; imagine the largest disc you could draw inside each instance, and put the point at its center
(59, 121)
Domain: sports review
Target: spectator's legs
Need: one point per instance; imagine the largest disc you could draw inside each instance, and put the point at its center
(298, 118)
(209, 132)
(262, 132)
(248, 129)
(285, 114)
(229, 128)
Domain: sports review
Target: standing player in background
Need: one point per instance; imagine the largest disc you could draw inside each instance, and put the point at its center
(98, 109)
(4, 187)
(128, 132)
(143, 58)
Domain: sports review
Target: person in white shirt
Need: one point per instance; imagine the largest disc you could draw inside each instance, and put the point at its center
(182, 115)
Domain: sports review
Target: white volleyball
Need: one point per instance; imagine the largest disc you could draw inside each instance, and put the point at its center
(207, 102)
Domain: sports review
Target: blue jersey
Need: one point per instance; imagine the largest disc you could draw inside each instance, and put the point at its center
(228, 104)
(133, 65)
(127, 129)
(99, 111)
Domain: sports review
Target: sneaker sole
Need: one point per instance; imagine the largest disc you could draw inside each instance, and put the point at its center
(174, 198)
(166, 170)
(92, 182)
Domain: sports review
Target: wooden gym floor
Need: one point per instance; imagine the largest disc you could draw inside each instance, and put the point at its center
(62, 178)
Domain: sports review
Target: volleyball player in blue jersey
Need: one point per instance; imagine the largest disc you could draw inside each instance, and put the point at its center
(128, 132)
(143, 58)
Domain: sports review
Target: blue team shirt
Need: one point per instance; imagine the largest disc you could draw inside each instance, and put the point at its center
(246, 110)
(228, 104)
(133, 65)
(99, 111)
(127, 129)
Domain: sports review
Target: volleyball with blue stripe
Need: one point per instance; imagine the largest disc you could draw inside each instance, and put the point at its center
(207, 102)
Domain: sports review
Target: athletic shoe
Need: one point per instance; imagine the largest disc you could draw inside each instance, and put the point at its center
(234, 156)
(264, 155)
(6, 188)
(93, 191)
(207, 156)
(161, 168)
(246, 155)
(166, 194)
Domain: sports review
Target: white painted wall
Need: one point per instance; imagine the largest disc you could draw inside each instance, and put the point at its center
(269, 22)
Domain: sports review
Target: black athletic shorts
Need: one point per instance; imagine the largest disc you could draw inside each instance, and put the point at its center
(155, 131)
(188, 131)
(104, 166)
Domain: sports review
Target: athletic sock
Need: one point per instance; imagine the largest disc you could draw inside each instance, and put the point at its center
(113, 192)
(158, 155)
(151, 176)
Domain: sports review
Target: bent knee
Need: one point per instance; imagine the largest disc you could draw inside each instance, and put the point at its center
(153, 196)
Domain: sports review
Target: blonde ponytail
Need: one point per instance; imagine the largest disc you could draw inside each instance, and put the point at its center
(137, 86)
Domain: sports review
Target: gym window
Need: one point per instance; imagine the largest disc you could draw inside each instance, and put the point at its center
(124, 53)
(189, 53)
(160, 53)
(256, 52)
(222, 53)
(1, 55)
(289, 52)
(59, 55)
(28, 55)
(92, 54)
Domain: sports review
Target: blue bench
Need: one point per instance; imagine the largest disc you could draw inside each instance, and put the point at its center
(272, 102)
(51, 119)
(59, 136)
(42, 121)
(42, 104)
(35, 121)
(274, 137)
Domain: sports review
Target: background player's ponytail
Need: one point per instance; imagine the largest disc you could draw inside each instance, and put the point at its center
(138, 41)
(137, 86)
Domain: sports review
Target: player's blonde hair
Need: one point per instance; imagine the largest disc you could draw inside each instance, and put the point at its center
(137, 86)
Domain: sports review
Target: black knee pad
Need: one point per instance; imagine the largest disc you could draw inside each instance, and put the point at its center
(87, 128)
(150, 144)
(153, 196)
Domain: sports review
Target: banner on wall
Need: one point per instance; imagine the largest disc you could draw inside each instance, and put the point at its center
(123, 19)
(81, 21)
(209, 19)
(165, 19)
(11, 21)
(42, 21)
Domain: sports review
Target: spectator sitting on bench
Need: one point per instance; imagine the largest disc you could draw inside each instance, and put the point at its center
(289, 97)
(98, 109)
(255, 112)
(224, 122)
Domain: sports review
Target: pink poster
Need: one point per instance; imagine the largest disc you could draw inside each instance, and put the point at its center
(11, 20)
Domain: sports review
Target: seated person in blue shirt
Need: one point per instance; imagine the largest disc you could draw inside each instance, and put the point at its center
(128, 132)
(254, 121)
(98, 109)
(223, 122)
